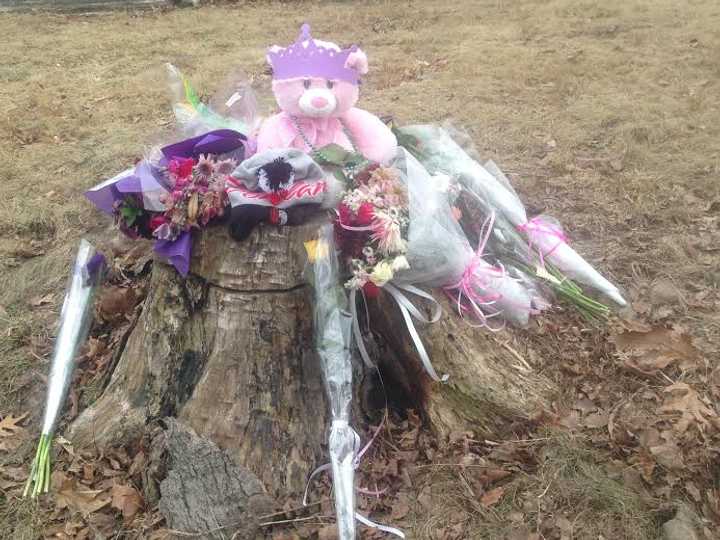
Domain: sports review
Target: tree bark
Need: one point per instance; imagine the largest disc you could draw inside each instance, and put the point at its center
(206, 493)
(229, 352)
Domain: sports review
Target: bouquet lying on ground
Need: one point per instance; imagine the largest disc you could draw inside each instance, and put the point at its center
(545, 248)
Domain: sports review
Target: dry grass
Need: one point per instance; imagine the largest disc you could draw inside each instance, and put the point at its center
(570, 487)
(605, 113)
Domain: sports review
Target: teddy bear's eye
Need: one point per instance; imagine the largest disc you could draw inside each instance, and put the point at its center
(306, 83)
(330, 84)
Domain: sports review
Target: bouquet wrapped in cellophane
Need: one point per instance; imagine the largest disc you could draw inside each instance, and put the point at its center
(75, 319)
(541, 247)
(333, 336)
(177, 189)
(333, 340)
(396, 232)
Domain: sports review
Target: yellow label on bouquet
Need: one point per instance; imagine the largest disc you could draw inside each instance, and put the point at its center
(315, 249)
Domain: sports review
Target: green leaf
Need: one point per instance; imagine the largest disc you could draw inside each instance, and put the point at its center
(334, 154)
(130, 214)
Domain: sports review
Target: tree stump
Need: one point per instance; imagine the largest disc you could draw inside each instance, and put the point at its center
(229, 353)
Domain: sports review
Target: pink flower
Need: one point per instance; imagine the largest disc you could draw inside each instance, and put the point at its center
(386, 232)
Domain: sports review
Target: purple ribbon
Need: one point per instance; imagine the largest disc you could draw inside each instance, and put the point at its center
(176, 252)
(220, 141)
(94, 269)
(145, 178)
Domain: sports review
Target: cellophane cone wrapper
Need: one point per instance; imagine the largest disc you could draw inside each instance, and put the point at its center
(333, 339)
(438, 249)
(75, 318)
(233, 106)
(570, 263)
(443, 154)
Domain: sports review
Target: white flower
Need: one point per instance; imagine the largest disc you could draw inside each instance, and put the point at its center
(382, 273)
(400, 263)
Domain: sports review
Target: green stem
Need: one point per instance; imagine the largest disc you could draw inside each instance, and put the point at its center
(39, 479)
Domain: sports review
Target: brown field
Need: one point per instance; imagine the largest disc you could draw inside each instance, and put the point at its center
(605, 114)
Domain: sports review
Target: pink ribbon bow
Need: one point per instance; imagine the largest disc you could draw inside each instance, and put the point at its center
(478, 275)
(538, 226)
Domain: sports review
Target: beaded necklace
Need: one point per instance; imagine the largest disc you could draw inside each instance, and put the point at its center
(352, 167)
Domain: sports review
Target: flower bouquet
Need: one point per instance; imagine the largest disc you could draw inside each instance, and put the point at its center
(178, 189)
(541, 249)
(371, 228)
(75, 319)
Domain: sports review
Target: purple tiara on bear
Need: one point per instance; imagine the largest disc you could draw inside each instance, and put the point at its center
(306, 58)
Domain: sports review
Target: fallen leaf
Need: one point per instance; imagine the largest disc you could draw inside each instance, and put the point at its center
(492, 497)
(78, 498)
(18, 474)
(682, 399)
(329, 532)
(656, 349)
(9, 484)
(571, 421)
(647, 465)
(117, 302)
(127, 500)
(693, 491)
(668, 455)
(88, 472)
(585, 406)
(138, 464)
(9, 424)
(400, 507)
(489, 476)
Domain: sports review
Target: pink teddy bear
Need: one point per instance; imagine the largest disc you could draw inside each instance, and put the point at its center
(315, 84)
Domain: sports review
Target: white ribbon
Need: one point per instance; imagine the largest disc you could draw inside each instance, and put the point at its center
(384, 528)
(409, 311)
(356, 462)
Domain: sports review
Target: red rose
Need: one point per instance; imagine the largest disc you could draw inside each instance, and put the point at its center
(365, 214)
(181, 167)
(345, 214)
(371, 290)
(156, 221)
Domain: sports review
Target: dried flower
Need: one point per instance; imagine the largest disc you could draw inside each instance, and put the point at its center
(205, 166)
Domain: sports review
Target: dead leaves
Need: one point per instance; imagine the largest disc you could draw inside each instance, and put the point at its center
(647, 351)
(492, 497)
(12, 434)
(127, 500)
(69, 494)
(117, 303)
(682, 400)
(9, 425)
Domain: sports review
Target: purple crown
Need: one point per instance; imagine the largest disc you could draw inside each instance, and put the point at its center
(306, 58)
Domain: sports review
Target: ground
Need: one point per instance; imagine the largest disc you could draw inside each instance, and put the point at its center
(604, 114)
